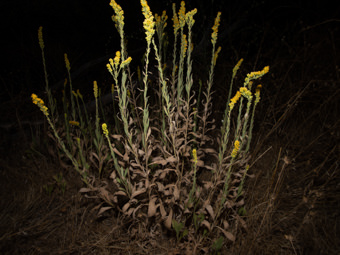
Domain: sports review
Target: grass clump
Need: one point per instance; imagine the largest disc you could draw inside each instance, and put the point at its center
(165, 168)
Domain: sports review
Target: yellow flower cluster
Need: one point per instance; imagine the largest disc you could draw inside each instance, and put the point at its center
(114, 63)
(189, 17)
(236, 149)
(216, 55)
(246, 93)
(74, 123)
(175, 19)
(148, 23)
(215, 28)
(67, 62)
(184, 45)
(39, 102)
(40, 37)
(237, 66)
(181, 15)
(257, 94)
(105, 131)
(161, 20)
(234, 100)
(255, 75)
(125, 62)
(95, 89)
(119, 17)
(194, 155)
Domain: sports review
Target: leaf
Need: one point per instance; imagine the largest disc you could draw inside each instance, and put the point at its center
(168, 221)
(225, 224)
(152, 207)
(120, 193)
(176, 193)
(125, 207)
(228, 235)
(210, 210)
(104, 209)
(206, 224)
(162, 210)
(138, 192)
(84, 190)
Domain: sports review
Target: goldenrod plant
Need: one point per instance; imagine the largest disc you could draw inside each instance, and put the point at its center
(165, 165)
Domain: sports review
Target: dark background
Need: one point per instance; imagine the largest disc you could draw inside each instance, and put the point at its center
(84, 30)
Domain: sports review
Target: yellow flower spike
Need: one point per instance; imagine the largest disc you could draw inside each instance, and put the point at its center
(40, 103)
(95, 89)
(184, 45)
(40, 36)
(234, 100)
(245, 92)
(237, 66)
(126, 62)
(181, 15)
(116, 59)
(236, 149)
(215, 28)
(119, 17)
(175, 19)
(148, 23)
(257, 94)
(189, 17)
(108, 66)
(216, 55)
(67, 62)
(105, 131)
(74, 123)
(255, 75)
(194, 155)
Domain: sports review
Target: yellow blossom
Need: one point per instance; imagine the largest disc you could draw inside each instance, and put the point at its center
(74, 123)
(108, 66)
(105, 131)
(40, 103)
(95, 89)
(67, 62)
(246, 93)
(194, 155)
(216, 55)
(126, 62)
(255, 75)
(116, 59)
(148, 23)
(181, 15)
(257, 94)
(119, 17)
(40, 37)
(189, 17)
(175, 19)
(215, 28)
(234, 100)
(236, 149)
(237, 66)
(184, 45)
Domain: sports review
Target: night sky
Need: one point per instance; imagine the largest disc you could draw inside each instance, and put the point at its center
(84, 30)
